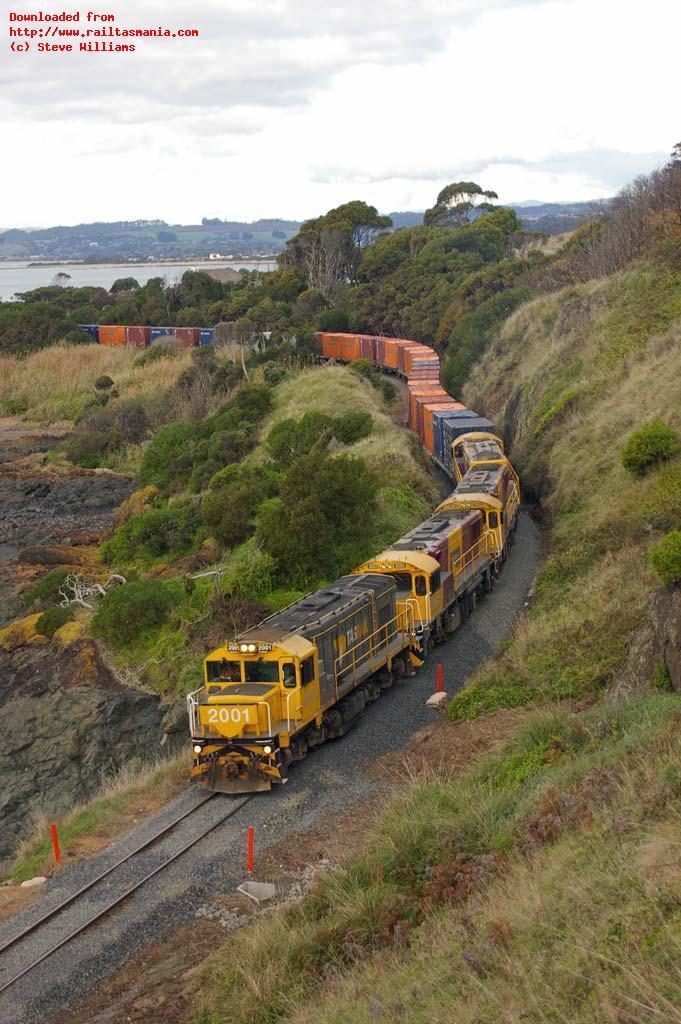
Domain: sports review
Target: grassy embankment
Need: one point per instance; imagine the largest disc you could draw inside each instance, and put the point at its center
(572, 376)
(56, 384)
(541, 886)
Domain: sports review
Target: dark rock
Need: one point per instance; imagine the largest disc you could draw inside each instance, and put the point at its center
(659, 640)
(665, 613)
(66, 722)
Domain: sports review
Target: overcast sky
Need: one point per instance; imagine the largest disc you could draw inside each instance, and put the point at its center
(285, 108)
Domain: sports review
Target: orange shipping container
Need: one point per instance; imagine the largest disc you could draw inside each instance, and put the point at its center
(449, 406)
(392, 349)
(437, 398)
(426, 393)
(416, 358)
(112, 335)
(350, 347)
(421, 389)
(331, 346)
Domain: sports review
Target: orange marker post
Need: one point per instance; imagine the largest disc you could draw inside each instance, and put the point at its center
(251, 849)
(55, 844)
(440, 686)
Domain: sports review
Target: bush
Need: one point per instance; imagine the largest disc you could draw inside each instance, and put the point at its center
(88, 450)
(333, 320)
(46, 590)
(161, 531)
(654, 443)
(125, 613)
(313, 527)
(103, 383)
(289, 439)
(665, 558)
(52, 620)
(230, 511)
(14, 406)
(352, 427)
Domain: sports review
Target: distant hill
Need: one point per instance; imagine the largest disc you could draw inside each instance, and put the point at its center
(120, 241)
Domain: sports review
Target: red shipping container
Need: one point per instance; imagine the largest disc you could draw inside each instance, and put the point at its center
(379, 351)
(112, 335)
(137, 335)
(189, 336)
(436, 398)
(367, 348)
(349, 347)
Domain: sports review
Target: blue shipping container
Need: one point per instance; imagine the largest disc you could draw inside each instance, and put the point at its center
(160, 332)
(439, 419)
(206, 335)
(92, 330)
(454, 428)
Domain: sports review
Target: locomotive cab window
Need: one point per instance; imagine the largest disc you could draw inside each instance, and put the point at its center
(288, 671)
(421, 586)
(493, 520)
(307, 671)
(403, 581)
(223, 671)
(435, 581)
(262, 671)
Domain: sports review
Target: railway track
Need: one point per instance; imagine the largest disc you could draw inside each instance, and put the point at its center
(121, 896)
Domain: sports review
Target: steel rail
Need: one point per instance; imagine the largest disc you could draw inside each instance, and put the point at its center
(119, 899)
(74, 896)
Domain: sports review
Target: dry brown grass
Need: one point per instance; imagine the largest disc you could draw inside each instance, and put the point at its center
(55, 383)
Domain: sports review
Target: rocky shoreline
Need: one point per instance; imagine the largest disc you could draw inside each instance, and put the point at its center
(66, 719)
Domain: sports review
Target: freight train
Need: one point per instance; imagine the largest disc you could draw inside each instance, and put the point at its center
(303, 675)
(141, 337)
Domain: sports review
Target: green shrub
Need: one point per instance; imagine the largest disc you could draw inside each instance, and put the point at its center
(160, 531)
(653, 443)
(290, 439)
(352, 427)
(14, 406)
(161, 460)
(51, 620)
(103, 383)
(665, 558)
(312, 529)
(662, 679)
(46, 590)
(89, 450)
(125, 613)
(230, 511)
(274, 374)
(333, 320)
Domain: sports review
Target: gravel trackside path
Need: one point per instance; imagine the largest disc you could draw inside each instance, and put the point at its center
(329, 782)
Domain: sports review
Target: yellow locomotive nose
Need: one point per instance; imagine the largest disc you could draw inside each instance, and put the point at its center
(240, 710)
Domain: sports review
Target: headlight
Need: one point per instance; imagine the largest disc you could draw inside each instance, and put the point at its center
(267, 749)
(251, 648)
(243, 648)
(197, 748)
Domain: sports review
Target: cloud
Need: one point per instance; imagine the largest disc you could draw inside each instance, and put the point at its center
(285, 108)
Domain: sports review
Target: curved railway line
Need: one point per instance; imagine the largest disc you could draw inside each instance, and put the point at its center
(121, 896)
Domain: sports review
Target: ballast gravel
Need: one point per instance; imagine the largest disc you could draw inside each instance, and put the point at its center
(325, 785)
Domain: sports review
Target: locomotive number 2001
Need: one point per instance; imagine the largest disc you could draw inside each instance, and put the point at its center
(225, 715)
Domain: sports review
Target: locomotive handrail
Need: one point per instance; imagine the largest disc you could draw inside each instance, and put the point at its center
(374, 642)
(466, 563)
(291, 693)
